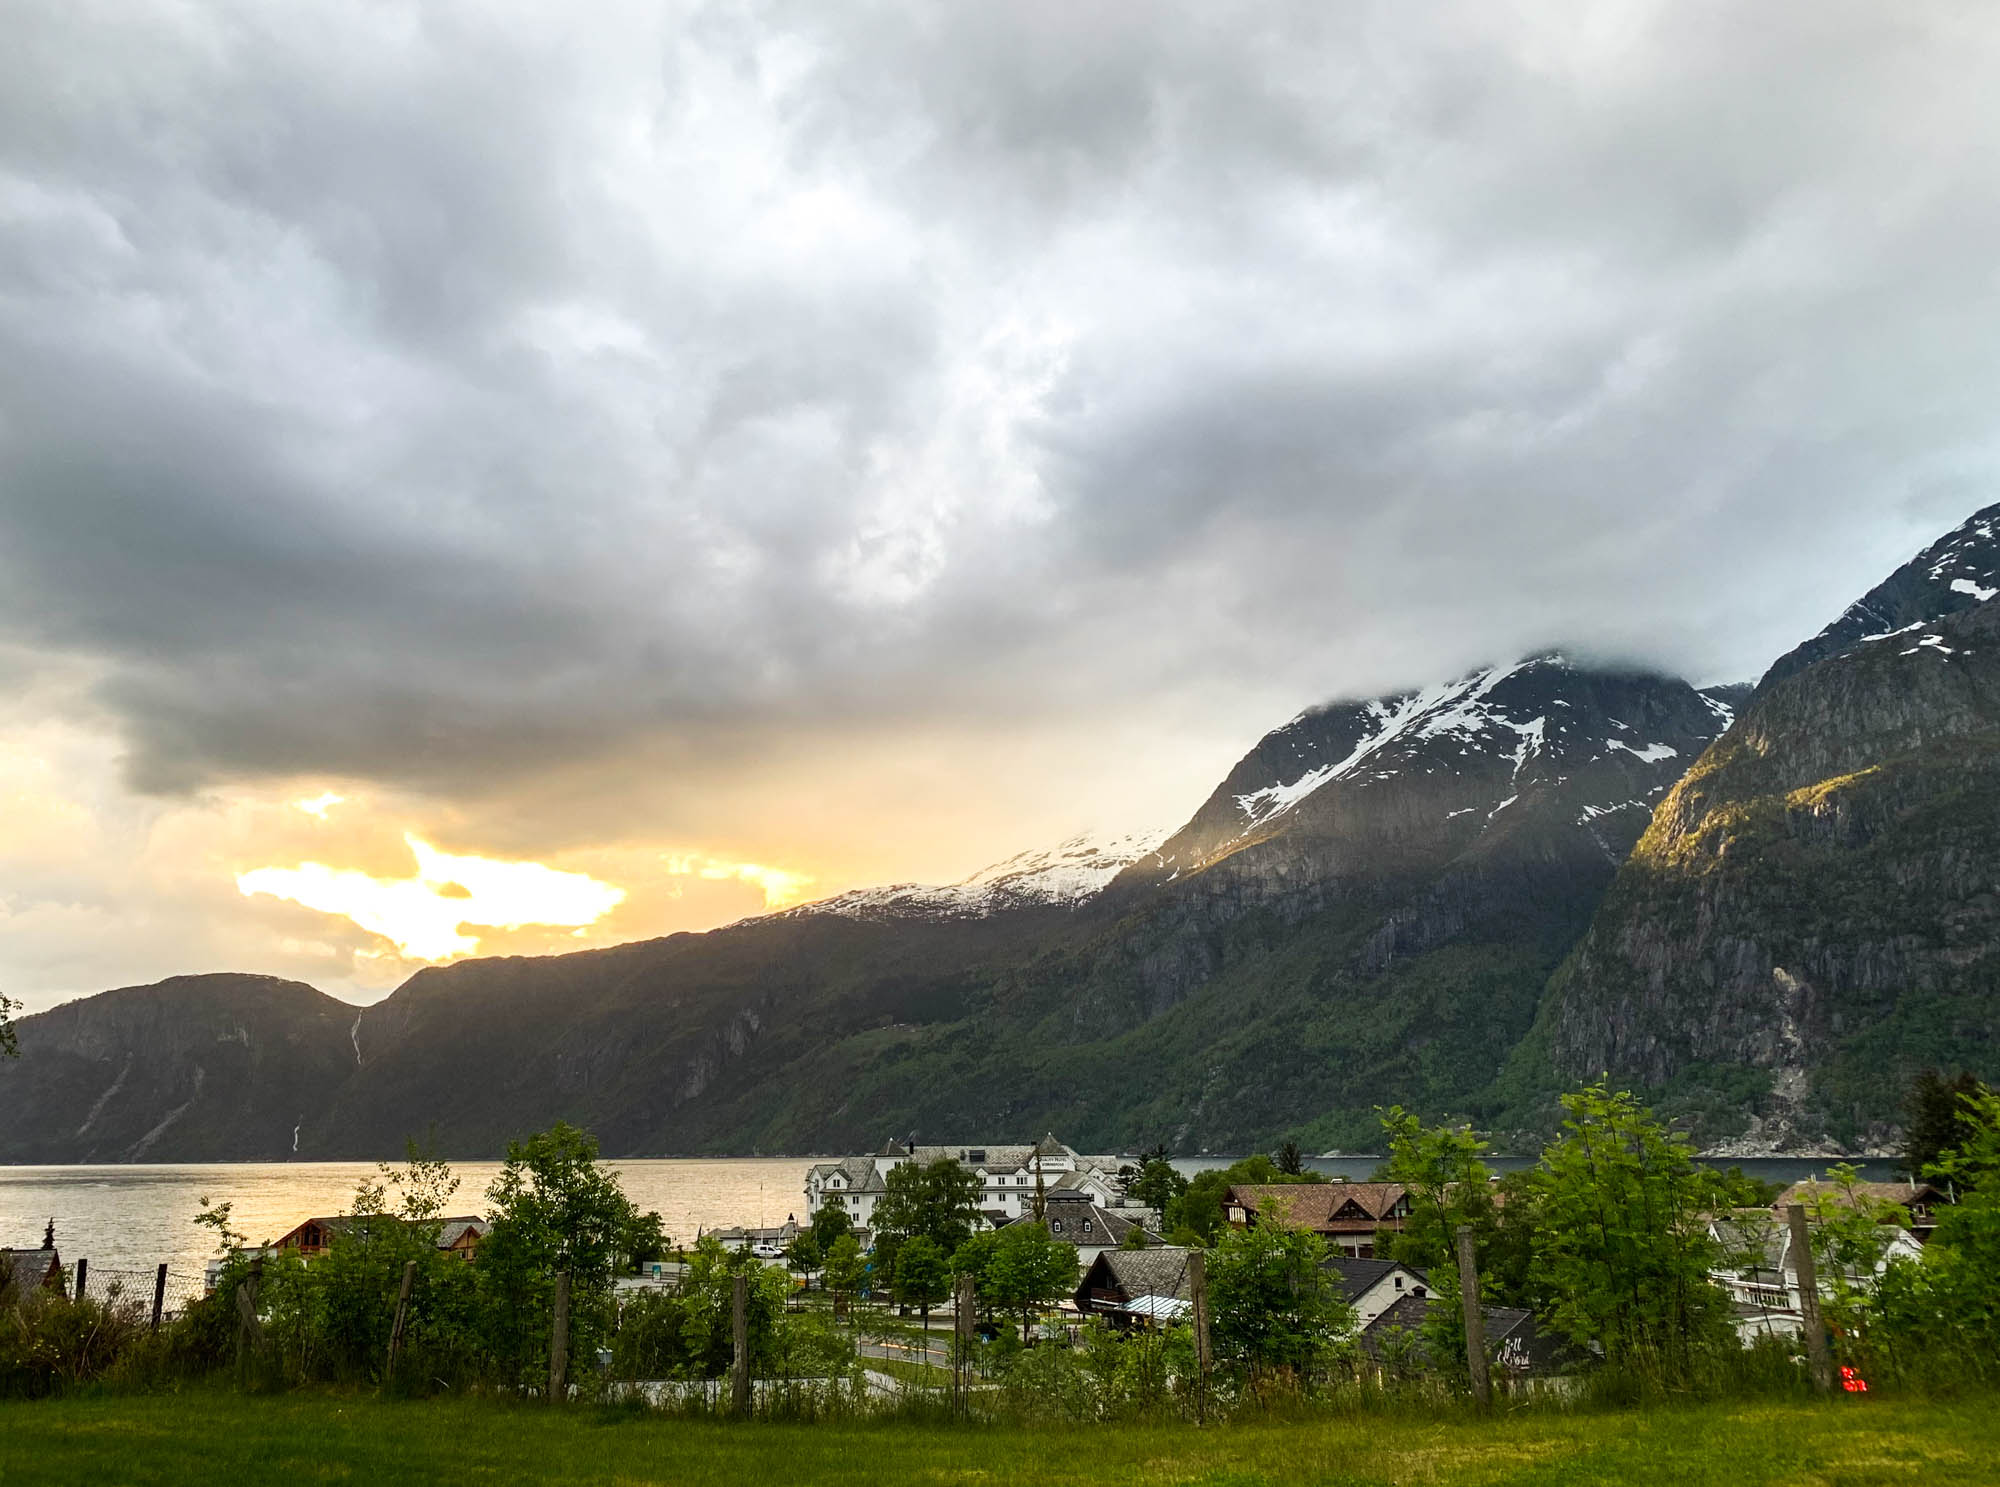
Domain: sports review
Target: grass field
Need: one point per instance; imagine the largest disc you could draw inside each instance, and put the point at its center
(317, 1438)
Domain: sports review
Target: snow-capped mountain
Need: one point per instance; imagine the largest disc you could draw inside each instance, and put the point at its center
(1067, 874)
(1600, 744)
(1957, 572)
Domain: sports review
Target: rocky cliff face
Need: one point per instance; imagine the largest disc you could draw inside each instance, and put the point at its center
(1814, 912)
(195, 1068)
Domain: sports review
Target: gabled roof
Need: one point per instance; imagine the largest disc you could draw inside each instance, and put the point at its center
(25, 1270)
(1074, 1219)
(1140, 1272)
(860, 1174)
(1903, 1193)
(1358, 1277)
(1411, 1312)
(451, 1231)
(1079, 1178)
(1309, 1205)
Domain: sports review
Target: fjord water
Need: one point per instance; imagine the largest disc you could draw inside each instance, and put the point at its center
(129, 1218)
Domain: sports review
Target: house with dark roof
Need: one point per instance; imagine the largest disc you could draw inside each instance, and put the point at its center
(1371, 1287)
(27, 1270)
(1396, 1336)
(1076, 1218)
(1345, 1214)
(1136, 1287)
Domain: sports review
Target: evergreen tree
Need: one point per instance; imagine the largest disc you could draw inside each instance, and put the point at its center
(1935, 1119)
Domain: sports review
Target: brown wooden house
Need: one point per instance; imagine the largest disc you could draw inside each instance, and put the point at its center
(315, 1236)
(1345, 1214)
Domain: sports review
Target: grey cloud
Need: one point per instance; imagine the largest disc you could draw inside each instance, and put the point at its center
(443, 400)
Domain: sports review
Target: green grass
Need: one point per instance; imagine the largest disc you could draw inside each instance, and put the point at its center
(318, 1438)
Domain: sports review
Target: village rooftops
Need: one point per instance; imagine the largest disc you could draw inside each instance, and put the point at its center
(1917, 1199)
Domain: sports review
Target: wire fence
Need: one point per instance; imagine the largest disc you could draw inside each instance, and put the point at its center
(136, 1289)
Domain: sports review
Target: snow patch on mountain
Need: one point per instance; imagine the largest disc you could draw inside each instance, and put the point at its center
(1451, 709)
(1655, 753)
(1067, 874)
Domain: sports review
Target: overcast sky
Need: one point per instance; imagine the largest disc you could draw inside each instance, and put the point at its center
(733, 452)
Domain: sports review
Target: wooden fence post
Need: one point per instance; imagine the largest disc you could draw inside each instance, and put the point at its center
(1809, 1320)
(961, 1354)
(249, 1330)
(82, 1276)
(159, 1294)
(739, 1326)
(1475, 1319)
(559, 1342)
(402, 1316)
(1197, 1268)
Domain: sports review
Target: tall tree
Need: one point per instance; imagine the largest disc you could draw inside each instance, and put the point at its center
(9, 1046)
(1026, 1268)
(938, 1201)
(829, 1222)
(1622, 1245)
(1447, 1181)
(554, 1207)
(923, 1276)
(1272, 1300)
(1157, 1184)
(842, 1270)
(1290, 1159)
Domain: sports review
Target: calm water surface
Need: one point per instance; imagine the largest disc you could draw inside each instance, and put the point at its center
(130, 1218)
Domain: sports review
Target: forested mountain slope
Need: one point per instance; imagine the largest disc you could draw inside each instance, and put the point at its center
(1365, 911)
(1814, 912)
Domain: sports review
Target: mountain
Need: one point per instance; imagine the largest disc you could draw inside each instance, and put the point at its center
(196, 1068)
(1069, 874)
(1365, 911)
(1814, 912)
(1957, 572)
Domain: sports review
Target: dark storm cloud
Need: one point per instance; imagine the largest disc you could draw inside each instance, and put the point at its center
(439, 395)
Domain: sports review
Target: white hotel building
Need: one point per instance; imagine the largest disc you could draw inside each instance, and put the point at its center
(1008, 1176)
